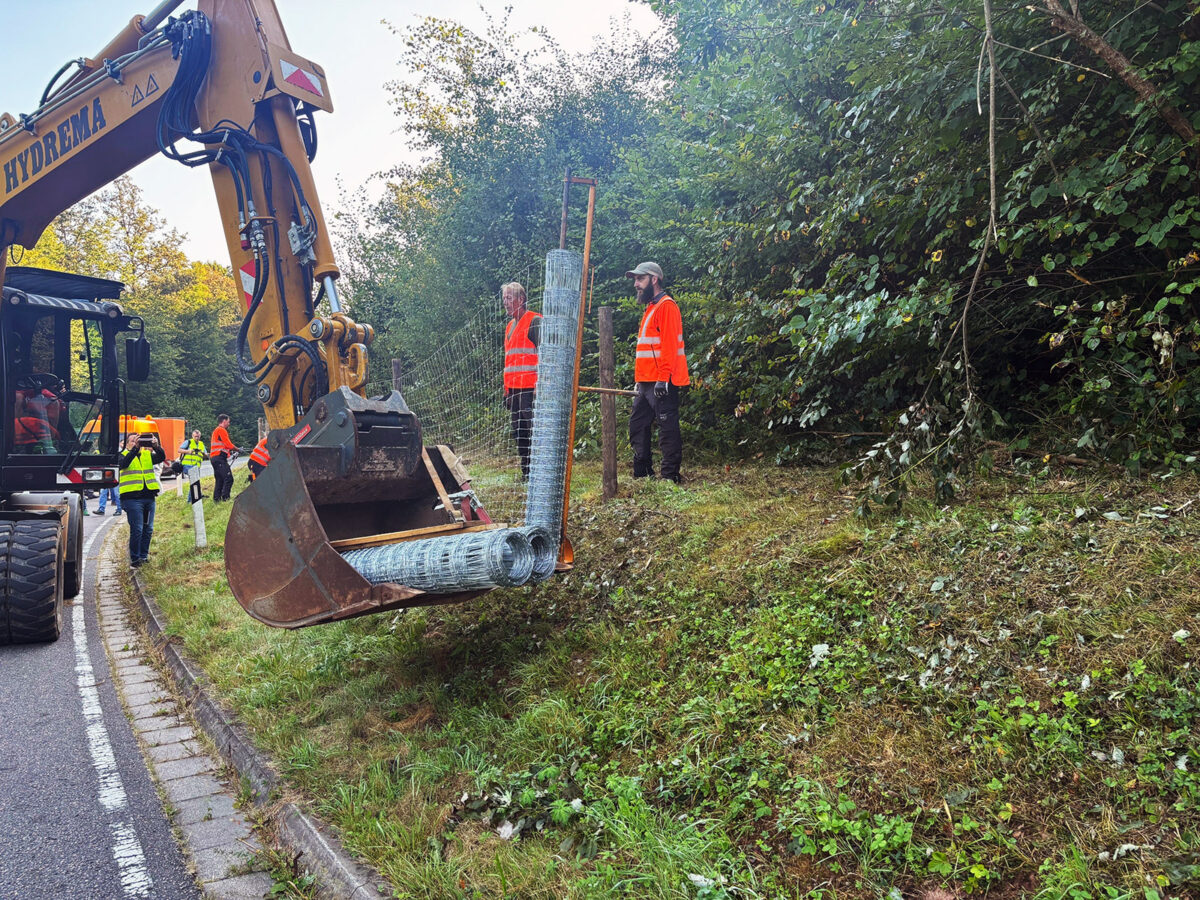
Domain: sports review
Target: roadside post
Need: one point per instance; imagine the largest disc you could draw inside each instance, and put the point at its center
(195, 498)
(608, 404)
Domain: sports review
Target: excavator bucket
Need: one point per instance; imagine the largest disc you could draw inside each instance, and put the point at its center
(352, 473)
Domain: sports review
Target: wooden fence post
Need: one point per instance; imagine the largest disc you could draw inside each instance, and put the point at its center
(608, 404)
(395, 374)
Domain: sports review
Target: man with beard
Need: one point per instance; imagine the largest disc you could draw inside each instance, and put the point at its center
(660, 370)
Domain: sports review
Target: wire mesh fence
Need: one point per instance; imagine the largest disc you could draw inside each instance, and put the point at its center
(457, 394)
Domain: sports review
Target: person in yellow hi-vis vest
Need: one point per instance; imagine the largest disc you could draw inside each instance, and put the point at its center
(192, 452)
(139, 489)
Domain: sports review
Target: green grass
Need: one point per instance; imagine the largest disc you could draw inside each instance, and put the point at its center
(744, 691)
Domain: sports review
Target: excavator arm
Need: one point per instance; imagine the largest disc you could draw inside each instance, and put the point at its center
(220, 87)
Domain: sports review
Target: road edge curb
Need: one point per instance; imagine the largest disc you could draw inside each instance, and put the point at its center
(343, 876)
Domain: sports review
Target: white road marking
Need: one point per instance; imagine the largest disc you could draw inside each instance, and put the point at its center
(127, 849)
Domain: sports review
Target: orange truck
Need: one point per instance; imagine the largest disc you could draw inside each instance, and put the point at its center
(170, 432)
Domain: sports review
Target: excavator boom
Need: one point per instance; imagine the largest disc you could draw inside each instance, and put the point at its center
(220, 87)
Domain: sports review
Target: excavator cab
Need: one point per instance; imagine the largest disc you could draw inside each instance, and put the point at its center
(59, 380)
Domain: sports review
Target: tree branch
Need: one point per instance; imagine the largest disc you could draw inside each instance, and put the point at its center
(1072, 24)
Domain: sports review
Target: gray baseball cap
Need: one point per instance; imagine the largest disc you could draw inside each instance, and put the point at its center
(646, 268)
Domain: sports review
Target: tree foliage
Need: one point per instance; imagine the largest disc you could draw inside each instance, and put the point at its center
(839, 151)
(817, 180)
(499, 117)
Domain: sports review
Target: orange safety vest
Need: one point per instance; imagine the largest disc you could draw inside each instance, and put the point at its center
(520, 353)
(660, 355)
(34, 413)
(259, 454)
(220, 442)
(32, 430)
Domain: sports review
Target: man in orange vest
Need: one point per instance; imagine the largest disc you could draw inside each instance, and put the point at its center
(521, 337)
(660, 370)
(219, 449)
(259, 457)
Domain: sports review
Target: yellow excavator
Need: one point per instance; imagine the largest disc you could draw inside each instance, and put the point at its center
(219, 86)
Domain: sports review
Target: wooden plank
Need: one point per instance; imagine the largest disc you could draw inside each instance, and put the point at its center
(609, 392)
(399, 537)
(454, 512)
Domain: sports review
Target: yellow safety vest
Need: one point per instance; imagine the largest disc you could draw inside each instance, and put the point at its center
(139, 475)
(194, 455)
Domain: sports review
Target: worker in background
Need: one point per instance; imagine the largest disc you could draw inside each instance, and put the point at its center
(259, 457)
(222, 447)
(521, 338)
(139, 489)
(36, 410)
(192, 452)
(660, 370)
(106, 494)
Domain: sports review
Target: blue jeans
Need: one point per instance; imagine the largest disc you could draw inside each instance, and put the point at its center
(140, 513)
(109, 493)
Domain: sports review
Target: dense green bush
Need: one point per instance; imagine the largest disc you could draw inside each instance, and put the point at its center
(815, 178)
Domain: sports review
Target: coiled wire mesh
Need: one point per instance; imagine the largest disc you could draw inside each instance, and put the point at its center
(443, 565)
(509, 557)
(554, 398)
(545, 552)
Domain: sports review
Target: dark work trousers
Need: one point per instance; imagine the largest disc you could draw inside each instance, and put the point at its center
(520, 404)
(140, 513)
(223, 476)
(648, 410)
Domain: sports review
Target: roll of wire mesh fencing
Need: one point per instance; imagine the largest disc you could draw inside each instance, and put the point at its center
(545, 551)
(552, 403)
(512, 556)
(444, 565)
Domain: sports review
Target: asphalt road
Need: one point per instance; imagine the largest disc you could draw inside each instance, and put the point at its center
(79, 816)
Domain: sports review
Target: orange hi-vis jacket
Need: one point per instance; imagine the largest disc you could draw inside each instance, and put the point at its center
(259, 454)
(660, 355)
(220, 442)
(520, 353)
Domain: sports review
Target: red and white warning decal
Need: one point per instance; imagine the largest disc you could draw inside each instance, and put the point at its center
(301, 78)
(247, 274)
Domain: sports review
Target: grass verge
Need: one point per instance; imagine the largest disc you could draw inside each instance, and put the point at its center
(744, 691)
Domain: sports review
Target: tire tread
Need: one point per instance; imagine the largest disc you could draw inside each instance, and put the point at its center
(31, 608)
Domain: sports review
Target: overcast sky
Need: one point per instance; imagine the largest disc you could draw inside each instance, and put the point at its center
(347, 37)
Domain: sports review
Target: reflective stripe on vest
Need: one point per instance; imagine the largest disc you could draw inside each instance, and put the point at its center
(221, 442)
(259, 454)
(139, 474)
(194, 455)
(648, 353)
(520, 353)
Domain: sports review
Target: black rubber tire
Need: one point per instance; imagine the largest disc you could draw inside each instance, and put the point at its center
(73, 565)
(31, 582)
